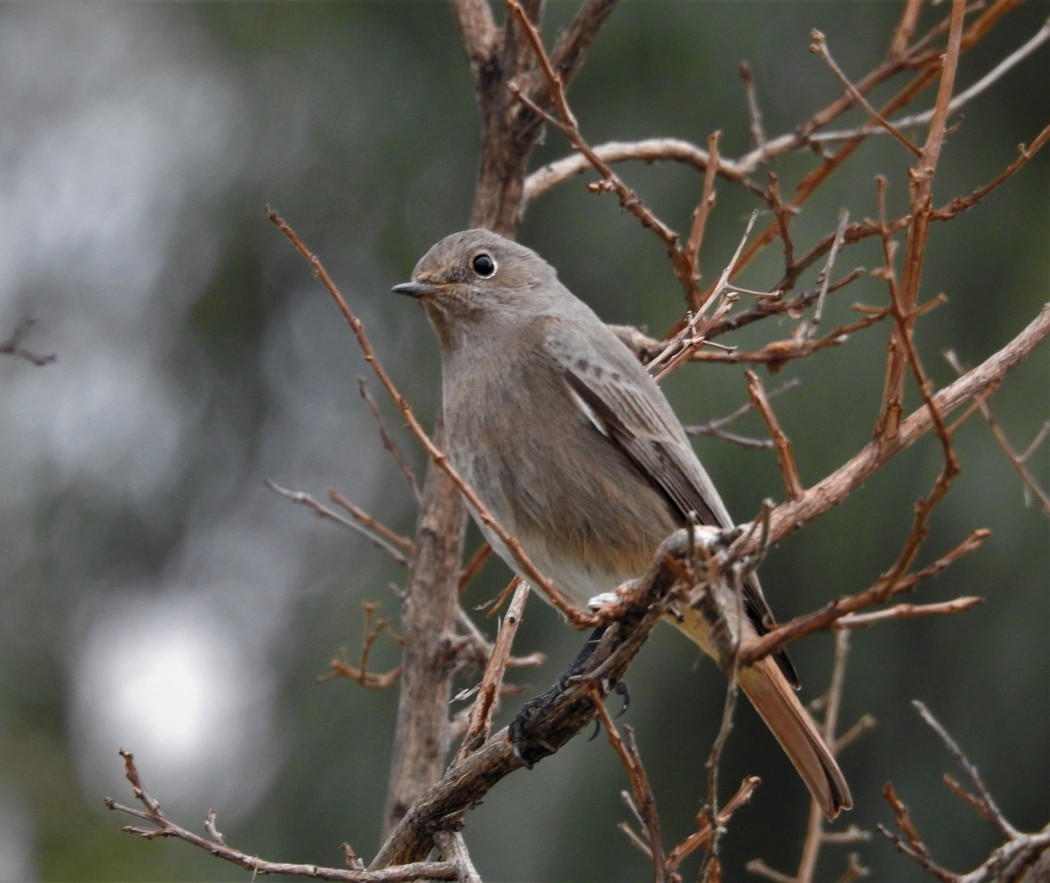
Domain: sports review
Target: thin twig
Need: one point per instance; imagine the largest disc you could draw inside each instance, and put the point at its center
(480, 723)
(788, 470)
(369, 522)
(814, 839)
(995, 814)
(728, 646)
(644, 802)
(699, 221)
(820, 46)
(911, 843)
(1017, 460)
(779, 352)
(825, 274)
(704, 827)
(473, 566)
(370, 680)
(398, 547)
(906, 611)
(717, 427)
(388, 440)
(693, 334)
(647, 150)
(11, 347)
(754, 113)
(882, 590)
(160, 826)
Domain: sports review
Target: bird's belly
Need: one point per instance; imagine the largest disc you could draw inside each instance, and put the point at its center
(579, 582)
(580, 509)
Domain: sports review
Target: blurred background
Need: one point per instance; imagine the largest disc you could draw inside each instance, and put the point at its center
(157, 596)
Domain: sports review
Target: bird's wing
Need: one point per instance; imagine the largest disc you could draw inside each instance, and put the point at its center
(609, 384)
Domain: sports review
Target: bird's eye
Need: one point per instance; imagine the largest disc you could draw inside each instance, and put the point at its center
(484, 265)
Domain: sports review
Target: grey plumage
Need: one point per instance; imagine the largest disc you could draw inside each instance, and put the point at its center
(576, 451)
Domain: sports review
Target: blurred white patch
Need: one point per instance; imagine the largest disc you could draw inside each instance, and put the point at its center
(106, 184)
(172, 681)
(16, 840)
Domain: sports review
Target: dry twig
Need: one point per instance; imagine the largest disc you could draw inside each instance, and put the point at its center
(1017, 459)
(388, 440)
(816, 836)
(340, 667)
(480, 723)
(160, 826)
(398, 547)
(12, 346)
(641, 800)
(788, 469)
(1017, 859)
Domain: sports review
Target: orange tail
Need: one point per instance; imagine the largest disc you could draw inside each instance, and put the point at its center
(774, 699)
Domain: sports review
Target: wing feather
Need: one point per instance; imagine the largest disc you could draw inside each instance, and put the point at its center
(604, 376)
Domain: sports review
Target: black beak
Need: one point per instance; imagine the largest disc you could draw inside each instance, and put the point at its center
(414, 289)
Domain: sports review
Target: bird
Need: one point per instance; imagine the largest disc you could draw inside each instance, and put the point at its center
(575, 450)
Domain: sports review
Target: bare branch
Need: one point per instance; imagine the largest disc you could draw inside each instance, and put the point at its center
(833, 611)
(481, 715)
(647, 150)
(162, 827)
(906, 611)
(466, 782)
(911, 844)
(808, 329)
(1017, 460)
(1021, 857)
(11, 346)
(786, 518)
(572, 45)
(820, 46)
(705, 829)
(398, 547)
(785, 457)
(994, 813)
(473, 566)
(717, 427)
(388, 440)
(370, 523)
(754, 113)
(699, 222)
(644, 802)
(341, 667)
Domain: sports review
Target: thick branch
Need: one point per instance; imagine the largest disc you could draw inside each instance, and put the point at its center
(789, 517)
(428, 618)
(466, 782)
(571, 49)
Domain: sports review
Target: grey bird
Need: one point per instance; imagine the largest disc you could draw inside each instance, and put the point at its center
(575, 450)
